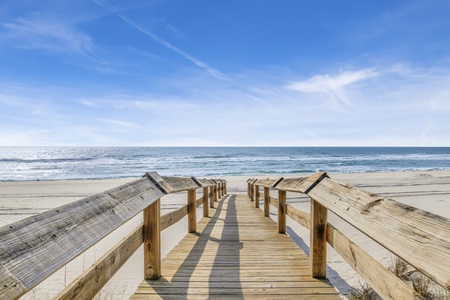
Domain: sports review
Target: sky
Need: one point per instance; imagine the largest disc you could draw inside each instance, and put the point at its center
(225, 73)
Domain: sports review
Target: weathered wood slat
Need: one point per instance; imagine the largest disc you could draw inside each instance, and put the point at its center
(205, 182)
(180, 184)
(299, 216)
(300, 185)
(173, 217)
(50, 240)
(88, 284)
(267, 183)
(420, 238)
(383, 281)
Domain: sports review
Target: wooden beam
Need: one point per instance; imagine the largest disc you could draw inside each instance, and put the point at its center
(50, 240)
(88, 284)
(266, 202)
(152, 241)
(418, 237)
(318, 240)
(281, 211)
(173, 217)
(192, 209)
(383, 281)
(302, 184)
(205, 202)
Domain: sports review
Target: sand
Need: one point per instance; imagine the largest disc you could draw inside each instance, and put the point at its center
(427, 190)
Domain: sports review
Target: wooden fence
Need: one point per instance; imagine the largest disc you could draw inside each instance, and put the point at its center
(420, 238)
(35, 248)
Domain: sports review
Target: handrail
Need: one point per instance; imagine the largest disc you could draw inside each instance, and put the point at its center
(420, 238)
(34, 248)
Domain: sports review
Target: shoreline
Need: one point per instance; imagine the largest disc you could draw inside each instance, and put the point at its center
(427, 190)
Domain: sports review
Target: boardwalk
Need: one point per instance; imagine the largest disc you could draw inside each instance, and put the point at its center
(237, 253)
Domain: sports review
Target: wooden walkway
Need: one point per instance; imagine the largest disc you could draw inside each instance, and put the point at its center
(238, 254)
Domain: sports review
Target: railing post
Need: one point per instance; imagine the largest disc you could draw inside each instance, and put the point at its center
(225, 188)
(281, 211)
(152, 241)
(248, 189)
(318, 240)
(257, 195)
(192, 209)
(266, 202)
(211, 196)
(215, 192)
(252, 192)
(205, 202)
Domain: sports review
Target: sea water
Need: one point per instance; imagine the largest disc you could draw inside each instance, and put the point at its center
(55, 163)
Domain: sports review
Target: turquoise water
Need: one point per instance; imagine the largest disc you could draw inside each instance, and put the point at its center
(53, 163)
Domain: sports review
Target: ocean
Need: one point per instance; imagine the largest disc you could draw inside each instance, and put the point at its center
(56, 163)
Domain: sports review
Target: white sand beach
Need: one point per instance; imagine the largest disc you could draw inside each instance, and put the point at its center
(427, 190)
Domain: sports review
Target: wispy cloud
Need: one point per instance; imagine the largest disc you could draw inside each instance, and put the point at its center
(119, 123)
(44, 33)
(333, 86)
(214, 72)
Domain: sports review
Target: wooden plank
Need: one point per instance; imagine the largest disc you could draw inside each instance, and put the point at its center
(267, 183)
(231, 256)
(152, 241)
(383, 281)
(173, 217)
(273, 201)
(180, 184)
(420, 238)
(318, 240)
(192, 211)
(205, 182)
(88, 284)
(50, 240)
(302, 184)
(299, 216)
(281, 211)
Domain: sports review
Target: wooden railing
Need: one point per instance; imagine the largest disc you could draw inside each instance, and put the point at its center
(420, 238)
(36, 247)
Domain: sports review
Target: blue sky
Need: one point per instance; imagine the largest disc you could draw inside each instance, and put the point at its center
(225, 73)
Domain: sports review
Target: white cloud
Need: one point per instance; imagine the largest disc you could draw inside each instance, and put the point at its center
(333, 86)
(43, 32)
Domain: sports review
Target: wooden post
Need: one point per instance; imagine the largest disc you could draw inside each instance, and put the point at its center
(252, 190)
(248, 189)
(152, 241)
(281, 211)
(192, 209)
(211, 196)
(257, 195)
(205, 202)
(215, 192)
(266, 202)
(318, 240)
(225, 187)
